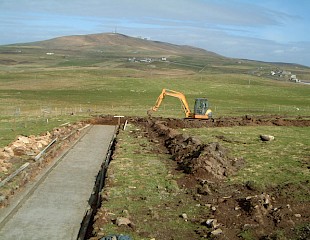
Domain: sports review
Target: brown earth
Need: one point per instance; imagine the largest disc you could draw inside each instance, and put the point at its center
(300, 121)
(176, 123)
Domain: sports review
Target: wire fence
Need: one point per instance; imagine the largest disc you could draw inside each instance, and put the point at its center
(165, 110)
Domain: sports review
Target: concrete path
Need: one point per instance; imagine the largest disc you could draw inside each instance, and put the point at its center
(56, 208)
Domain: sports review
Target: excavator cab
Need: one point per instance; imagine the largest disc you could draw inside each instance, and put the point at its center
(201, 107)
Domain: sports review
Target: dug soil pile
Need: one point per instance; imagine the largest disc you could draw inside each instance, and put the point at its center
(247, 120)
(177, 123)
(203, 160)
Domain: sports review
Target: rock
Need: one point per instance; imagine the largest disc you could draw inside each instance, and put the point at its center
(38, 145)
(212, 223)
(4, 155)
(17, 144)
(266, 137)
(217, 232)
(208, 205)
(122, 221)
(7, 164)
(9, 151)
(34, 147)
(3, 169)
(23, 139)
(42, 142)
(204, 190)
(184, 216)
(289, 207)
(297, 215)
(19, 151)
(209, 222)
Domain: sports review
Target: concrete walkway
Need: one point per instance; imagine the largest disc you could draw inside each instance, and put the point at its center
(56, 208)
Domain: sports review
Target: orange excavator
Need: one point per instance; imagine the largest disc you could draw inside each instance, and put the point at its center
(201, 108)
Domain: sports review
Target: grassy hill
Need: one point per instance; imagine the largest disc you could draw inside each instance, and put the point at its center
(117, 74)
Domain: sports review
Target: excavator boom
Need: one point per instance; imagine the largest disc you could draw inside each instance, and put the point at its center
(180, 96)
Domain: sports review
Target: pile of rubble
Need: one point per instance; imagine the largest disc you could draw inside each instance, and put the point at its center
(23, 145)
(29, 146)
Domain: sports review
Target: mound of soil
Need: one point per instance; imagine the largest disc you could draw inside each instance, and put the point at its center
(203, 160)
(238, 121)
(177, 123)
(107, 120)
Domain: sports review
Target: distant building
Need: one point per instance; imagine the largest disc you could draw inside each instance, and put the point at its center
(293, 78)
(147, 60)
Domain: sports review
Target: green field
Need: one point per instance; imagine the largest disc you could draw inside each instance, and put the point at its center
(82, 81)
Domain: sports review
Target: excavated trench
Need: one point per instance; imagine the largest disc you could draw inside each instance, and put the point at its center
(177, 123)
(193, 157)
(208, 166)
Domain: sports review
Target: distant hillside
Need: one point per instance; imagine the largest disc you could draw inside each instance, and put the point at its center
(118, 50)
(118, 40)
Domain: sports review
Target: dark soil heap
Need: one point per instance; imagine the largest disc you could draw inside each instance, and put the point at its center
(203, 160)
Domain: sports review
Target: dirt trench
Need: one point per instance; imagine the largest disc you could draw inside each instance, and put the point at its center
(178, 123)
(208, 161)
(235, 210)
(247, 120)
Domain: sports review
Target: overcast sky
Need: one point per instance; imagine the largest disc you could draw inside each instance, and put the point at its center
(266, 30)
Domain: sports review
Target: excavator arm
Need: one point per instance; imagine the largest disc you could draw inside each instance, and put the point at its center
(180, 96)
